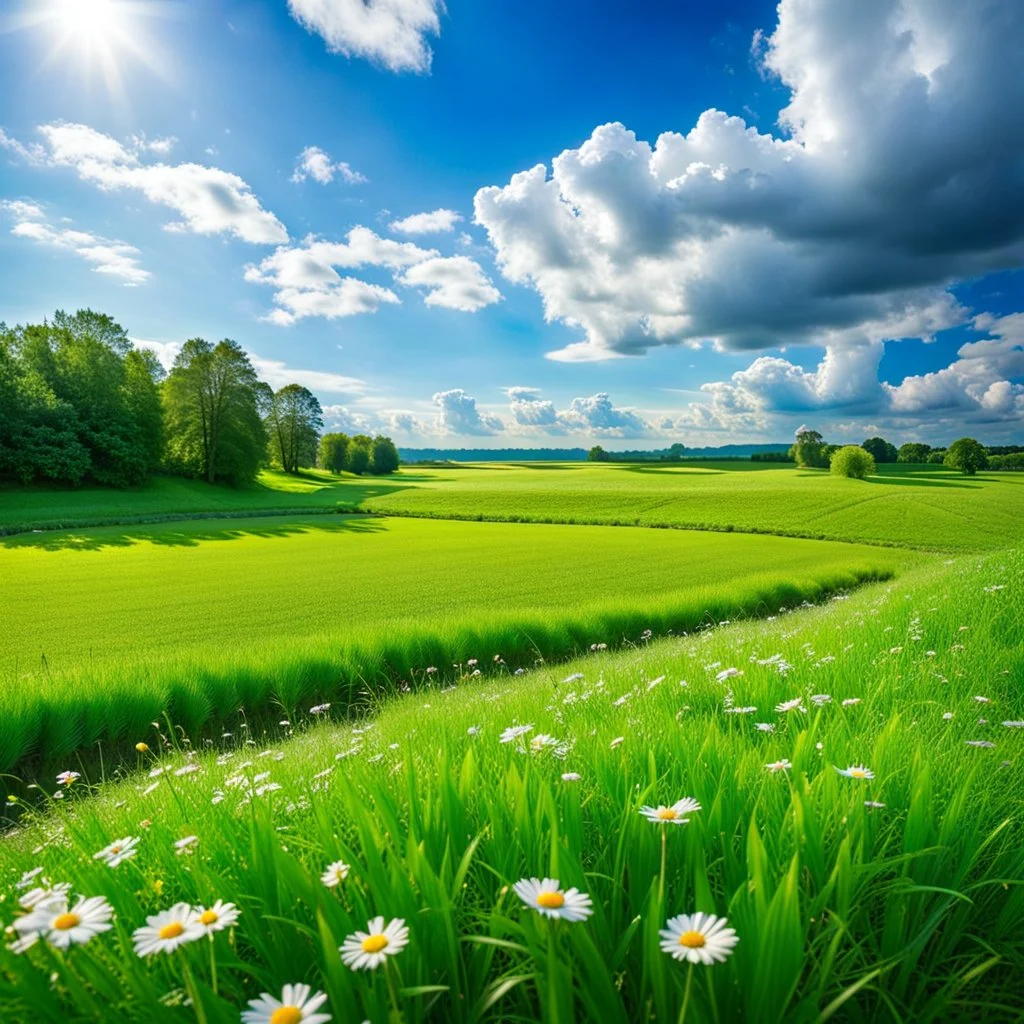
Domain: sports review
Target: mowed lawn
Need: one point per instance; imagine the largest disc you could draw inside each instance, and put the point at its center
(115, 593)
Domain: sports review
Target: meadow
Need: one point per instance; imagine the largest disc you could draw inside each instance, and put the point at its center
(108, 628)
(857, 771)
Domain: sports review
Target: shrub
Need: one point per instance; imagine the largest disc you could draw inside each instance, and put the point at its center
(853, 461)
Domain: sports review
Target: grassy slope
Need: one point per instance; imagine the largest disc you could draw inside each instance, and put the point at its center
(910, 911)
(926, 507)
(205, 618)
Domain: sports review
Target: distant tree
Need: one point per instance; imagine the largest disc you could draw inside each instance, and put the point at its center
(809, 450)
(383, 456)
(853, 461)
(332, 451)
(598, 454)
(966, 455)
(676, 452)
(937, 456)
(359, 454)
(212, 405)
(913, 452)
(880, 449)
(294, 421)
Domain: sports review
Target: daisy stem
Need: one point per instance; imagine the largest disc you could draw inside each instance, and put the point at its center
(395, 1014)
(686, 994)
(213, 965)
(190, 987)
(661, 877)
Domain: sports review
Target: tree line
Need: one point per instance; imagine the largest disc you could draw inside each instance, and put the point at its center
(79, 403)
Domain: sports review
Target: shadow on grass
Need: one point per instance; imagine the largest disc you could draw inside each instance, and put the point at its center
(191, 533)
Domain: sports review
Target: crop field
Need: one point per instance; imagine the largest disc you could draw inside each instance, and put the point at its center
(124, 616)
(853, 773)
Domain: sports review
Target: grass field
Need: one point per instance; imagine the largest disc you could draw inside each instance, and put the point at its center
(926, 507)
(892, 898)
(197, 618)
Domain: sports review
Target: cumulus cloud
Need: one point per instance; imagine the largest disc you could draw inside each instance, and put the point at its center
(307, 282)
(458, 414)
(391, 33)
(116, 259)
(897, 173)
(314, 163)
(595, 416)
(348, 420)
(209, 200)
(531, 411)
(435, 222)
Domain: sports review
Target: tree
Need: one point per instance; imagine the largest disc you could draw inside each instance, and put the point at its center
(212, 407)
(332, 451)
(676, 452)
(937, 456)
(142, 376)
(913, 452)
(294, 422)
(853, 461)
(967, 455)
(880, 449)
(359, 454)
(828, 451)
(598, 454)
(384, 456)
(809, 450)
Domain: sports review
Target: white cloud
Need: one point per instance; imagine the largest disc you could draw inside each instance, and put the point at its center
(899, 175)
(277, 374)
(307, 283)
(458, 414)
(435, 222)
(391, 33)
(314, 163)
(116, 259)
(165, 351)
(209, 200)
(455, 282)
(531, 411)
(596, 416)
(349, 421)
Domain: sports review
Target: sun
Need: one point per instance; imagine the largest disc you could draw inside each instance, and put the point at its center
(87, 20)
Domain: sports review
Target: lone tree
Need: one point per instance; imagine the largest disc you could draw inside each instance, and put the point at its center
(598, 454)
(880, 449)
(967, 455)
(294, 422)
(809, 450)
(332, 452)
(853, 461)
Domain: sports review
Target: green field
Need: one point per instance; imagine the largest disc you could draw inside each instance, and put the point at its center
(906, 908)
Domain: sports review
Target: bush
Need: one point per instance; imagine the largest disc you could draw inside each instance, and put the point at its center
(853, 461)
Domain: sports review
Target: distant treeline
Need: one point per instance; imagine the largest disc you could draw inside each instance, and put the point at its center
(79, 403)
(675, 452)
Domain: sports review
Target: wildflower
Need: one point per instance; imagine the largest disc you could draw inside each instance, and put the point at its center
(698, 938)
(34, 897)
(334, 874)
(187, 769)
(542, 740)
(790, 705)
(571, 776)
(615, 742)
(218, 917)
(727, 673)
(820, 699)
(980, 743)
(983, 700)
(473, 730)
(320, 709)
(66, 778)
(549, 900)
(296, 1006)
(368, 950)
(119, 850)
(764, 726)
(947, 715)
(1014, 725)
(142, 748)
(874, 804)
(513, 732)
(575, 677)
(674, 815)
(28, 878)
(856, 771)
(782, 765)
(53, 921)
(740, 711)
(850, 701)
(183, 845)
(472, 663)
(166, 931)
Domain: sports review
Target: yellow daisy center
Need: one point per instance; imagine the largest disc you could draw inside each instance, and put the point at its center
(65, 922)
(692, 940)
(551, 900)
(858, 773)
(209, 917)
(172, 930)
(667, 814)
(374, 943)
(115, 849)
(286, 1015)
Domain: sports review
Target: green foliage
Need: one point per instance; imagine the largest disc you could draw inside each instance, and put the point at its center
(809, 450)
(332, 451)
(1012, 462)
(384, 456)
(966, 455)
(294, 421)
(598, 454)
(853, 461)
(937, 456)
(880, 449)
(913, 452)
(359, 454)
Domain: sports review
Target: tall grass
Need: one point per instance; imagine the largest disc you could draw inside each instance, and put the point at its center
(908, 910)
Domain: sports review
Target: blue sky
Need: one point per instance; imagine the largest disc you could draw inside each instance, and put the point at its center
(842, 252)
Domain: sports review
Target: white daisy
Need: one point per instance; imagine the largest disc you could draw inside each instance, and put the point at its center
(40, 894)
(856, 771)
(571, 776)
(334, 874)
(782, 765)
(184, 845)
(368, 950)
(53, 921)
(119, 850)
(850, 701)
(764, 726)
(698, 938)
(28, 878)
(298, 1005)
(66, 778)
(674, 815)
(548, 899)
(513, 732)
(218, 917)
(790, 705)
(166, 931)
